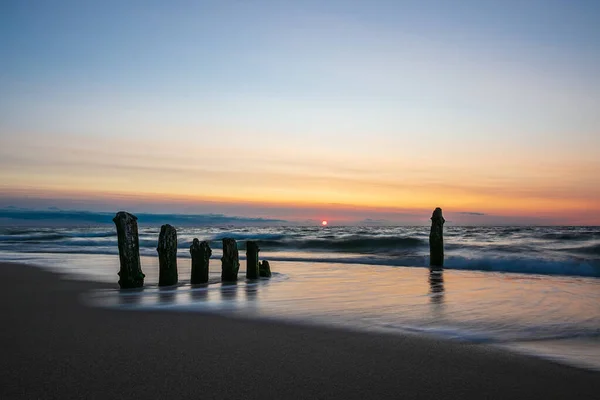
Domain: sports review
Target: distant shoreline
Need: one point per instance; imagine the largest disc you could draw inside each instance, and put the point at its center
(54, 217)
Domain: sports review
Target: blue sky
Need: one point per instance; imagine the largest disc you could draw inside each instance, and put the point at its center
(485, 106)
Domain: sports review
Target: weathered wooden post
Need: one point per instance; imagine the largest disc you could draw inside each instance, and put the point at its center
(230, 262)
(201, 253)
(167, 256)
(130, 274)
(264, 269)
(436, 239)
(252, 260)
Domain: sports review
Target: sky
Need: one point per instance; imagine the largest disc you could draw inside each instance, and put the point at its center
(350, 111)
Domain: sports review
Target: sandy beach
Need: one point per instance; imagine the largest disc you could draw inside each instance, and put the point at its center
(56, 347)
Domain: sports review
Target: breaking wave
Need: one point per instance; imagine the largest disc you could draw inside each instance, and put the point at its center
(528, 250)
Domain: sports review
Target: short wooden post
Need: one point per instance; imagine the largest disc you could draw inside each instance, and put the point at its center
(252, 260)
(264, 269)
(201, 253)
(230, 262)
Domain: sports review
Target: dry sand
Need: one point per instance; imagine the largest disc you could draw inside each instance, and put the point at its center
(54, 347)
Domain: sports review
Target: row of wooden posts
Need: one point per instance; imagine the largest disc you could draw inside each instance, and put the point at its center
(131, 275)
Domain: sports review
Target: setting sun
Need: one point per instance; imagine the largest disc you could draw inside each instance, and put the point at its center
(324, 223)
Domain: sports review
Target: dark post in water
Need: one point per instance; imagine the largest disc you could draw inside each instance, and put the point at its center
(230, 262)
(252, 260)
(130, 274)
(436, 239)
(167, 256)
(264, 269)
(201, 253)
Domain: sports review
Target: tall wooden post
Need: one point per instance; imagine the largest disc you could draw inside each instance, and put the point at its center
(130, 273)
(167, 256)
(436, 239)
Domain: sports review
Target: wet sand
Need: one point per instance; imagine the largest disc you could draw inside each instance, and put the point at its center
(53, 346)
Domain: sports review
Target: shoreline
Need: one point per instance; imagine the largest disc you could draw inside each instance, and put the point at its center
(580, 350)
(57, 347)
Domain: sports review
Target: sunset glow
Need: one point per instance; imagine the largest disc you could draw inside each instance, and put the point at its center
(368, 112)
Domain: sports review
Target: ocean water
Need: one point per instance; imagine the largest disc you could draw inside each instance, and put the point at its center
(572, 251)
(533, 290)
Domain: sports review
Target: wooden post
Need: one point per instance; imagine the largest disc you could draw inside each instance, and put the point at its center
(265, 269)
(436, 239)
(230, 262)
(252, 260)
(130, 273)
(167, 256)
(201, 253)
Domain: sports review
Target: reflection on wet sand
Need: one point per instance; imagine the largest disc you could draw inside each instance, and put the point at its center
(131, 297)
(252, 296)
(199, 293)
(229, 292)
(166, 295)
(456, 304)
(436, 285)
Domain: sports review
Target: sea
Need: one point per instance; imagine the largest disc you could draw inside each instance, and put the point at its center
(533, 290)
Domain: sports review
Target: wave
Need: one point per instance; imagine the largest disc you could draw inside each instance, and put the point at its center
(248, 236)
(502, 265)
(349, 244)
(593, 249)
(93, 234)
(358, 240)
(520, 265)
(360, 244)
(31, 237)
(494, 336)
(556, 251)
(575, 236)
(39, 236)
(526, 266)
